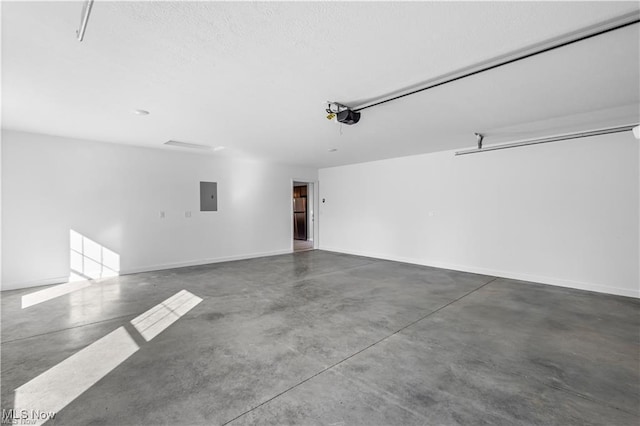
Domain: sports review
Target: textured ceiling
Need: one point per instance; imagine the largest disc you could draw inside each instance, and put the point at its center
(253, 77)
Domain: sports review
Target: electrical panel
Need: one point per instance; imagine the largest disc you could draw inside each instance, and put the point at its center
(208, 196)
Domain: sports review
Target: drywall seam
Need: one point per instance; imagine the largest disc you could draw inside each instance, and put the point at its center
(540, 279)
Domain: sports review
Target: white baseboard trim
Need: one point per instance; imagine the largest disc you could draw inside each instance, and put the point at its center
(579, 285)
(35, 283)
(148, 268)
(163, 266)
(435, 264)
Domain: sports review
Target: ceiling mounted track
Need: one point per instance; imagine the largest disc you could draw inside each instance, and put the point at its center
(548, 139)
(535, 49)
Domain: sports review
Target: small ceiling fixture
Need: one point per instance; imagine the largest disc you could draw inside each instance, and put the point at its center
(333, 149)
(140, 112)
(218, 148)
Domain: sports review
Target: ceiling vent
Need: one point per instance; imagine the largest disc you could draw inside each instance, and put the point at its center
(187, 145)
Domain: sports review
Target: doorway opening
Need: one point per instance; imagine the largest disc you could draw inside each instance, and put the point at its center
(302, 216)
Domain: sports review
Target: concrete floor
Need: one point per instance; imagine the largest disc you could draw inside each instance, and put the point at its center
(324, 338)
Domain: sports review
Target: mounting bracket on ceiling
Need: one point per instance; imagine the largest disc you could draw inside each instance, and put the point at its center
(479, 138)
(84, 18)
(333, 108)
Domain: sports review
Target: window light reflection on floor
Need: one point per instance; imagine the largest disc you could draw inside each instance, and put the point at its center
(57, 387)
(161, 316)
(54, 389)
(52, 292)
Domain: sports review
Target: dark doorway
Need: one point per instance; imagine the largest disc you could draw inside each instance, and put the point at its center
(300, 216)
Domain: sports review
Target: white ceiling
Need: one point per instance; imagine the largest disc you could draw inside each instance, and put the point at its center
(253, 77)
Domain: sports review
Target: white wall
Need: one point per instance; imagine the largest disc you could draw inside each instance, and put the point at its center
(113, 194)
(563, 213)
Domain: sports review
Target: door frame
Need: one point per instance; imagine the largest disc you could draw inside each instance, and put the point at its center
(313, 193)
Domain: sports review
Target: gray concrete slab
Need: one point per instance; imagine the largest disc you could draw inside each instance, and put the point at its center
(325, 338)
(585, 343)
(385, 396)
(128, 294)
(24, 359)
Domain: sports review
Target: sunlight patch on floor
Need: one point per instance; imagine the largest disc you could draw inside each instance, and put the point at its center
(54, 389)
(52, 292)
(57, 387)
(161, 316)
